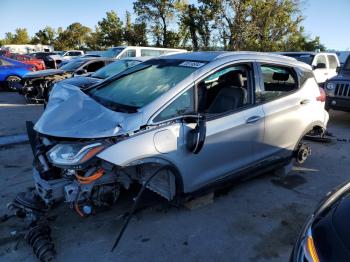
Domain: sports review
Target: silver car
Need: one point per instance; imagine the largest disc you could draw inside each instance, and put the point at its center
(177, 124)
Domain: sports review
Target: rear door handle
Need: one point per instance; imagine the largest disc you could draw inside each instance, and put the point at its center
(253, 119)
(305, 102)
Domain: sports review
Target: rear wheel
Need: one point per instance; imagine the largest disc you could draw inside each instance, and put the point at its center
(12, 82)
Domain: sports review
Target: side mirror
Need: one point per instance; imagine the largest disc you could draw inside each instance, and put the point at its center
(320, 66)
(196, 137)
(337, 69)
(81, 72)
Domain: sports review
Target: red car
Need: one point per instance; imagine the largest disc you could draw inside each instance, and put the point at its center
(37, 63)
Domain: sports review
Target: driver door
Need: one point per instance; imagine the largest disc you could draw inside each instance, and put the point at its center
(233, 130)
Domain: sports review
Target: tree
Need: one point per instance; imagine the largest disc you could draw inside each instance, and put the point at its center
(20, 37)
(94, 40)
(262, 25)
(74, 37)
(140, 33)
(8, 38)
(159, 13)
(198, 22)
(111, 30)
(45, 36)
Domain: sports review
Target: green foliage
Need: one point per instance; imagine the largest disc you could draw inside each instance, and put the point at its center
(111, 30)
(159, 13)
(74, 37)
(135, 34)
(257, 25)
(45, 36)
(20, 37)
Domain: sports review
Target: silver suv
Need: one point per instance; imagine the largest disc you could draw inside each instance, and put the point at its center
(183, 123)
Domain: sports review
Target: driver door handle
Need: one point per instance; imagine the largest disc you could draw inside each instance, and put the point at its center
(253, 119)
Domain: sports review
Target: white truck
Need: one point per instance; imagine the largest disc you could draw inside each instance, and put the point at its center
(324, 65)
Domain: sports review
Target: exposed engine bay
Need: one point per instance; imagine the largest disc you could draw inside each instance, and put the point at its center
(36, 90)
(90, 186)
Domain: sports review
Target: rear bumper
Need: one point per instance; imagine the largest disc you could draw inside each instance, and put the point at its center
(336, 103)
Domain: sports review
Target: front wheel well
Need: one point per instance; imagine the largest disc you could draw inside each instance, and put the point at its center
(167, 183)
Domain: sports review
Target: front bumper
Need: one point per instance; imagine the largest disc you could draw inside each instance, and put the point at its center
(337, 103)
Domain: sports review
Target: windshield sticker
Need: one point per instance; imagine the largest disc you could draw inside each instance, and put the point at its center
(192, 64)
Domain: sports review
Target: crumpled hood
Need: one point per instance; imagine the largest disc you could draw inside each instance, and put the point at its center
(42, 73)
(71, 113)
(82, 81)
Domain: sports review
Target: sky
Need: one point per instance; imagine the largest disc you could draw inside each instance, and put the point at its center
(324, 18)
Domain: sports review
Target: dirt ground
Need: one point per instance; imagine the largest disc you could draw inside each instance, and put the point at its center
(258, 220)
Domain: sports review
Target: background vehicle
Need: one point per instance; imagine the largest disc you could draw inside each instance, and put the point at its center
(51, 59)
(136, 51)
(37, 63)
(203, 119)
(324, 65)
(68, 55)
(338, 89)
(12, 71)
(326, 235)
(36, 85)
(105, 72)
(342, 56)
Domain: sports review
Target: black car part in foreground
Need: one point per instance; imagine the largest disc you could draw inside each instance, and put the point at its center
(326, 235)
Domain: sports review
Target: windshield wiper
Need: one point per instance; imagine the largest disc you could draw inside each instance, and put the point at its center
(115, 106)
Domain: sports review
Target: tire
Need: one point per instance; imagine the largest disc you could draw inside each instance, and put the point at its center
(10, 80)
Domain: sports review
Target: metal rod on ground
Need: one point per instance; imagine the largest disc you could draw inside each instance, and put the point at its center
(137, 200)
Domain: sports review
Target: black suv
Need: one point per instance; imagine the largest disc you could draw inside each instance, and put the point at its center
(338, 89)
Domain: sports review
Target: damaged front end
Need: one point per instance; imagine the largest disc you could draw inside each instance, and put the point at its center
(36, 86)
(67, 143)
(69, 171)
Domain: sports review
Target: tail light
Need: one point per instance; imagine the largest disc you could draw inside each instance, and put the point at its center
(322, 97)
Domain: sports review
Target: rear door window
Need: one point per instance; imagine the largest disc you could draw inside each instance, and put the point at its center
(151, 52)
(278, 81)
(333, 64)
(129, 53)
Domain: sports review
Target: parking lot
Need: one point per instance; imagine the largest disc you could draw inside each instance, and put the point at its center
(257, 220)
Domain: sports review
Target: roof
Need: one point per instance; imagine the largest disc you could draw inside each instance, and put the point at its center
(138, 58)
(215, 55)
(236, 55)
(305, 53)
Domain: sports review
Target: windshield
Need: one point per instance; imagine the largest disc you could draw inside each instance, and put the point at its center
(113, 52)
(73, 65)
(306, 58)
(144, 83)
(347, 64)
(114, 68)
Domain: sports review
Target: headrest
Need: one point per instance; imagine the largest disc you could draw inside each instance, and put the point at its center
(280, 76)
(234, 78)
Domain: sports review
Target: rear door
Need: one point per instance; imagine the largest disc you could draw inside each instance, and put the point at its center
(286, 107)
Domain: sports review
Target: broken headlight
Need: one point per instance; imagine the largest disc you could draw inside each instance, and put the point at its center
(74, 154)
